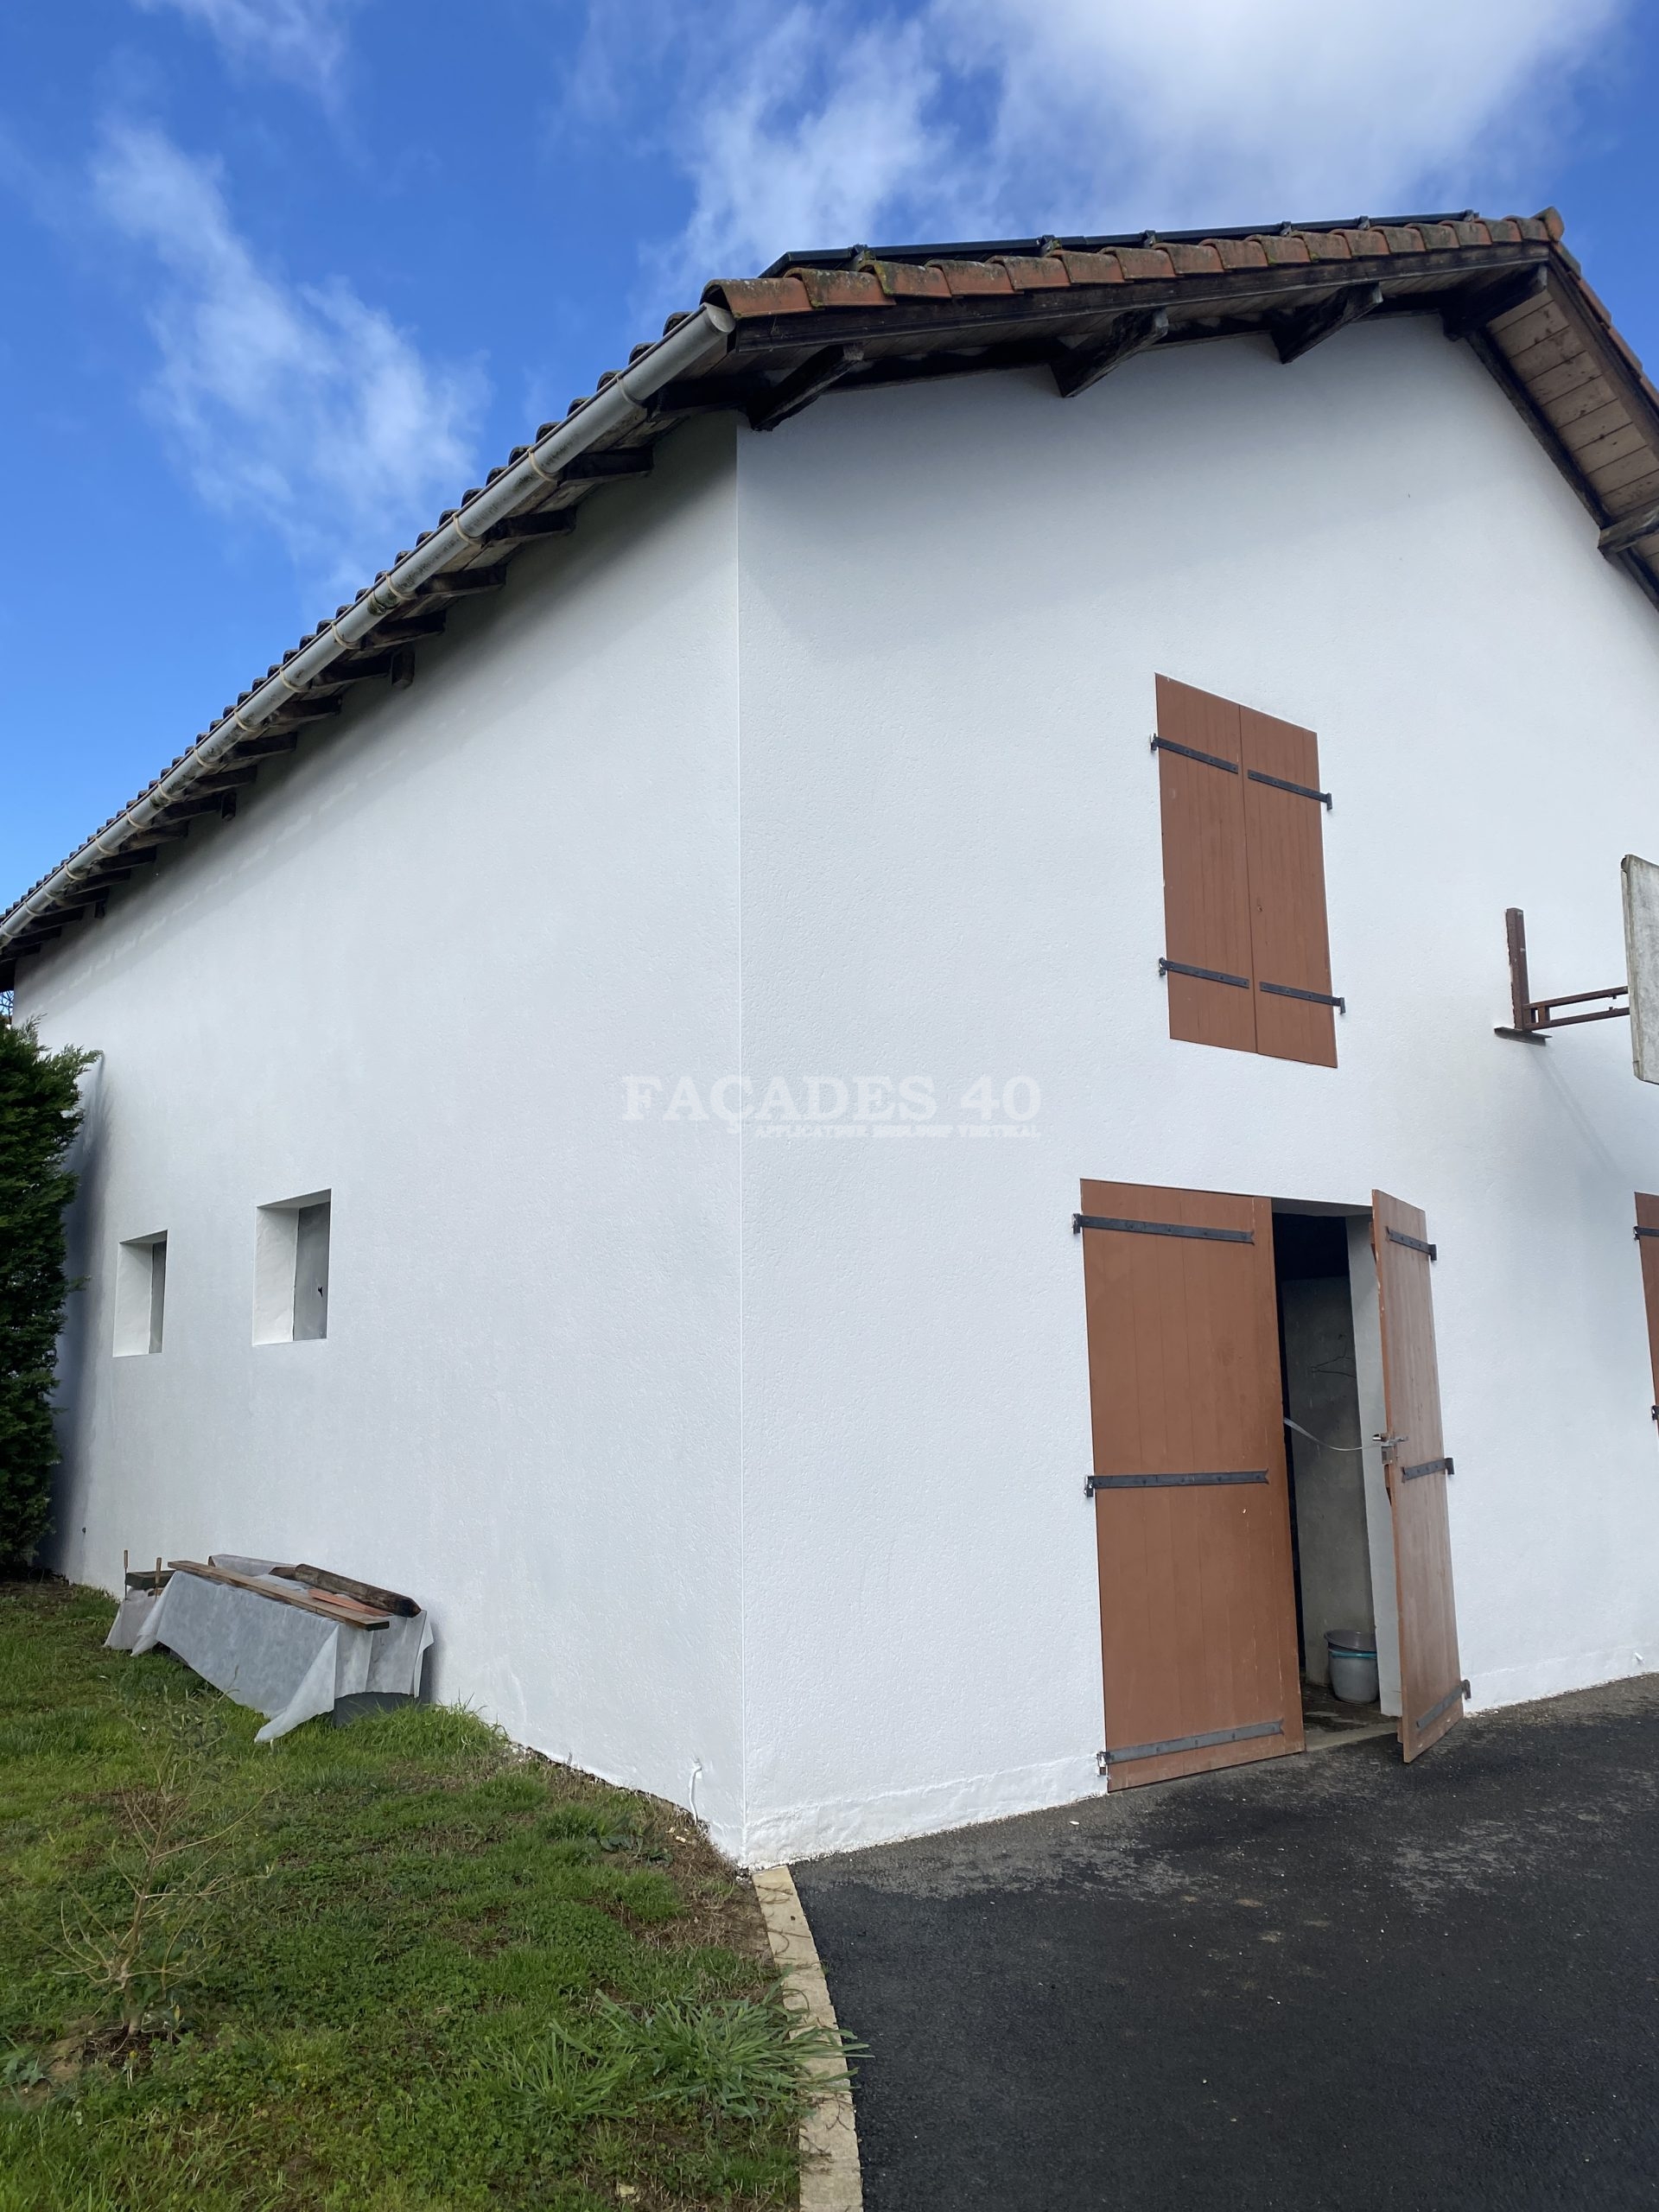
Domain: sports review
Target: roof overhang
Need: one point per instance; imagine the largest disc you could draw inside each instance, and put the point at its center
(858, 320)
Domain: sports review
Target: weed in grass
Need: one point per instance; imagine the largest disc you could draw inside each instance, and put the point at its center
(147, 1932)
(737, 2058)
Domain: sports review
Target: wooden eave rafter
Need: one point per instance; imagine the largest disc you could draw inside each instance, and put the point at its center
(1480, 294)
(1521, 305)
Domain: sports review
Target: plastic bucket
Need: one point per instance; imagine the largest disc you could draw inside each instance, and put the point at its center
(1352, 1653)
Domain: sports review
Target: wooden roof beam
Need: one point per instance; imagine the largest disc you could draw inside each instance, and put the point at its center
(1620, 535)
(703, 395)
(214, 794)
(462, 583)
(602, 468)
(810, 381)
(306, 709)
(1299, 333)
(397, 665)
(1478, 305)
(1079, 366)
(406, 629)
(523, 530)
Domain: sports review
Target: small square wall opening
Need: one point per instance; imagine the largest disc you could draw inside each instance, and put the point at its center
(290, 1270)
(140, 1294)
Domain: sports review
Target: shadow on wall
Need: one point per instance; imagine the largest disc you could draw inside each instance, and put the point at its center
(77, 1350)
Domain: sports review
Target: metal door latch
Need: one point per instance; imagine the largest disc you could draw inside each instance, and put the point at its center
(1390, 1445)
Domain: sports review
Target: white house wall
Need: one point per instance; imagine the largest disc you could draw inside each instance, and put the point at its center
(954, 599)
(406, 975)
(749, 1467)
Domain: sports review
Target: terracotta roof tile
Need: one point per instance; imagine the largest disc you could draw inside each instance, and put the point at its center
(1284, 247)
(1141, 264)
(1091, 268)
(1241, 253)
(907, 280)
(842, 288)
(1190, 260)
(969, 279)
(1033, 272)
(750, 295)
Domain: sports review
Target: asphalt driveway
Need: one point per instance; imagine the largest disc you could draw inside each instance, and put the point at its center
(1332, 1980)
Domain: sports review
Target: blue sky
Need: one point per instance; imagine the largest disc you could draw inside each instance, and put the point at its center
(257, 251)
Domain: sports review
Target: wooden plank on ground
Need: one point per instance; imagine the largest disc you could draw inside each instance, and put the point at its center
(329, 1608)
(346, 1585)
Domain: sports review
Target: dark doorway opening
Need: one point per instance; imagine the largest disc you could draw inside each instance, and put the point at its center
(1331, 1544)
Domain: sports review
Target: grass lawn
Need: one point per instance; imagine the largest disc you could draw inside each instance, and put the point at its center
(398, 1966)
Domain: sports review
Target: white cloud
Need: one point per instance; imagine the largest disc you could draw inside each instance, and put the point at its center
(294, 404)
(825, 123)
(1008, 118)
(303, 40)
(1182, 112)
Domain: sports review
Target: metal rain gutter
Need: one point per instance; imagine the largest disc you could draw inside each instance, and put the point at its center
(618, 408)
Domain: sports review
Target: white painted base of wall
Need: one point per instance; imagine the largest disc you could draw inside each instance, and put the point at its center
(811, 1831)
(1541, 1678)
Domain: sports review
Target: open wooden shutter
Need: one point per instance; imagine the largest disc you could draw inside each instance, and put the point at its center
(1246, 948)
(1206, 882)
(1647, 1241)
(1432, 1689)
(1192, 1522)
(1284, 844)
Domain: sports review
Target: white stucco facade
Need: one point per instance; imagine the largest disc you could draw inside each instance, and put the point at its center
(745, 1463)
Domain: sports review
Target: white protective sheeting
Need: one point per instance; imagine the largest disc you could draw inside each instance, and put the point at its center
(283, 1661)
(1642, 963)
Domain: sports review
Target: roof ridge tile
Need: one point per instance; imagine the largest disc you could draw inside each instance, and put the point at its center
(1142, 263)
(842, 288)
(1087, 268)
(1241, 253)
(906, 280)
(1033, 272)
(968, 279)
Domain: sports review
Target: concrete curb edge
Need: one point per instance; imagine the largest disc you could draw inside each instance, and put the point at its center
(830, 2177)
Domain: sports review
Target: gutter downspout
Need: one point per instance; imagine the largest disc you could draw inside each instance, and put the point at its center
(618, 408)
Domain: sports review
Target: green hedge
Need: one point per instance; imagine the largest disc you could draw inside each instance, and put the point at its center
(40, 1113)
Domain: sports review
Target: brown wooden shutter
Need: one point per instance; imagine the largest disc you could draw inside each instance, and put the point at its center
(1284, 839)
(1647, 1240)
(1431, 1688)
(1206, 880)
(1193, 1522)
(1246, 947)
